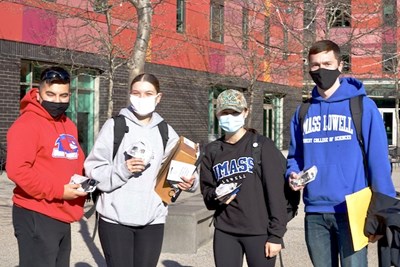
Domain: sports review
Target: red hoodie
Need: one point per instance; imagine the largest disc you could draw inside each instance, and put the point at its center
(42, 155)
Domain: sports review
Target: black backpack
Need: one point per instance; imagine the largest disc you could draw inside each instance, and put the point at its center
(120, 129)
(292, 197)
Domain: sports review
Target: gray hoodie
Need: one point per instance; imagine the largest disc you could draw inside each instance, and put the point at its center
(129, 199)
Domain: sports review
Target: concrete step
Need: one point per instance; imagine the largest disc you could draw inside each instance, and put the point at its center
(188, 226)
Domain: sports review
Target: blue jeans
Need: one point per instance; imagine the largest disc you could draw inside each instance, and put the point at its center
(327, 236)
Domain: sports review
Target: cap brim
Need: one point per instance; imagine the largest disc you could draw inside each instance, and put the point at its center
(235, 108)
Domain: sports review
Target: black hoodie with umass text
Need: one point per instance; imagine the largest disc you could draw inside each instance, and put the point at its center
(250, 213)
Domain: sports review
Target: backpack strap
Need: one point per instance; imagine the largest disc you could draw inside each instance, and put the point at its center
(163, 128)
(356, 109)
(120, 129)
(214, 148)
(303, 111)
(256, 150)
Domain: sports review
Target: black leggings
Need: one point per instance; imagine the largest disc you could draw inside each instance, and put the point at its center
(128, 246)
(229, 250)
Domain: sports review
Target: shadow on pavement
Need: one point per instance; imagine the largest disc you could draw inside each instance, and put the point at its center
(94, 250)
(170, 263)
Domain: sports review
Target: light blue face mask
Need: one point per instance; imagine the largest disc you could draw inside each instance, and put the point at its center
(230, 123)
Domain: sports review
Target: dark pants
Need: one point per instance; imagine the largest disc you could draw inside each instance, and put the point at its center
(229, 250)
(328, 239)
(128, 246)
(42, 241)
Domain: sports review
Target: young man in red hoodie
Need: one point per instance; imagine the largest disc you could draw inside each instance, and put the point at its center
(42, 154)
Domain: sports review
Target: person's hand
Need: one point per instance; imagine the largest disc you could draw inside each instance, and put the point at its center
(186, 184)
(272, 249)
(135, 165)
(294, 176)
(229, 200)
(71, 192)
(374, 238)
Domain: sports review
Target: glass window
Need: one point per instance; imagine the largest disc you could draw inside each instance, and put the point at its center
(214, 131)
(100, 6)
(217, 21)
(389, 63)
(389, 12)
(338, 15)
(389, 58)
(180, 16)
(273, 118)
(346, 58)
(30, 76)
(245, 28)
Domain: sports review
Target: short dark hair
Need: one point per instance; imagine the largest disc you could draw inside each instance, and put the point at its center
(147, 77)
(325, 46)
(55, 74)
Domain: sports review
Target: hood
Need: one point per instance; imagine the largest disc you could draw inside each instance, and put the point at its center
(29, 103)
(349, 87)
(128, 113)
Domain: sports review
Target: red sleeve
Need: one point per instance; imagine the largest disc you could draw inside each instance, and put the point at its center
(23, 144)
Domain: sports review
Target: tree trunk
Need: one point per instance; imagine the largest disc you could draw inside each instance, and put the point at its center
(250, 104)
(136, 63)
(110, 97)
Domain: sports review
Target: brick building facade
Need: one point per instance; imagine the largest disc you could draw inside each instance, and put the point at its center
(185, 92)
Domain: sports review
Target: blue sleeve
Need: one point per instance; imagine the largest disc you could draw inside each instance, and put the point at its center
(376, 149)
(295, 158)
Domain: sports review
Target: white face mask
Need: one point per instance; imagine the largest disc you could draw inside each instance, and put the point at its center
(143, 105)
(230, 123)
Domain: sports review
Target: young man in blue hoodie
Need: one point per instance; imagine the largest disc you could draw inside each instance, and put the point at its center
(328, 140)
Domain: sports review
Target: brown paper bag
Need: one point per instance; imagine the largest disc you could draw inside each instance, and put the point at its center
(184, 151)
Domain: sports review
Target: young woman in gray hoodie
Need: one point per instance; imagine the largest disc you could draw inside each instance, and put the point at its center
(132, 215)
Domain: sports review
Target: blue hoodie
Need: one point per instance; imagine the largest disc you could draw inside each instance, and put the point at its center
(330, 142)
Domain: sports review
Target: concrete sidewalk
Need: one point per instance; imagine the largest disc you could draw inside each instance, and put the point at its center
(88, 253)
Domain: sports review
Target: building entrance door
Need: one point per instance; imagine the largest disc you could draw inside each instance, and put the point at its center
(388, 116)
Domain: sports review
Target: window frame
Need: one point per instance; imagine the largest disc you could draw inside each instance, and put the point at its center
(346, 59)
(339, 15)
(217, 21)
(389, 63)
(245, 28)
(389, 18)
(100, 6)
(389, 58)
(180, 16)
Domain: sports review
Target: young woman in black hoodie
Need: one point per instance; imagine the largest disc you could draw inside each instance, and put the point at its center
(250, 218)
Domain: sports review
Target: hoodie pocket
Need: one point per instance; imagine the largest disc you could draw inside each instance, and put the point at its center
(329, 187)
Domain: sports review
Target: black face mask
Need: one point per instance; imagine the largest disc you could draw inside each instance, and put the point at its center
(324, 78)
(56, 110)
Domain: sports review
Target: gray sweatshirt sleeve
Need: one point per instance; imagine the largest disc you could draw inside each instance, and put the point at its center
(99, 164)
